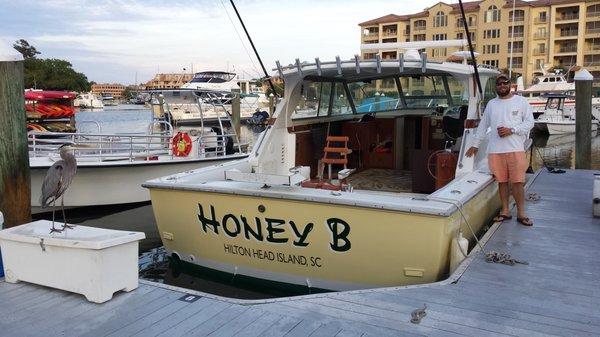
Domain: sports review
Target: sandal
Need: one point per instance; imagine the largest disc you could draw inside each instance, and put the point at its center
(502, 217)
(525, 221)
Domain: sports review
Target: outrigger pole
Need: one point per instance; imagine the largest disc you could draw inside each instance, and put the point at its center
(254, 48)
(465, 24)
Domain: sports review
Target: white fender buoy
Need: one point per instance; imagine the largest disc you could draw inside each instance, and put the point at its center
(458, 248)
(596, 196)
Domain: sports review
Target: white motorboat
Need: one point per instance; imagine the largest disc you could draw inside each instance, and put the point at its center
(111, 169)
(190, 106)
(559, 118)
(395, 200)
(87, 100)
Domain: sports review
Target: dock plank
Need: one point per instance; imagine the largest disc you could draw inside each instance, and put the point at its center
(175, 318)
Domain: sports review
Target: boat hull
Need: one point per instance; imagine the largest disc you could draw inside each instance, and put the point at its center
(97, 184)
(560, 128)
(335, 247)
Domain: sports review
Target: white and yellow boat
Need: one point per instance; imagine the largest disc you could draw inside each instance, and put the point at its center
(271, 217)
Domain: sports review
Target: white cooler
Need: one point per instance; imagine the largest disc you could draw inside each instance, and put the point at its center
(91, 261)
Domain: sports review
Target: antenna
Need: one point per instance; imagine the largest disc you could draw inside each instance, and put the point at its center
(466, 25)
(254, 48)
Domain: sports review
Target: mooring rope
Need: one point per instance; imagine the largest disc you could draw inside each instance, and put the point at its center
(491, 256)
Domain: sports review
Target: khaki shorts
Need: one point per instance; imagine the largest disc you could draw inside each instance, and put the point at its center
(508, 167)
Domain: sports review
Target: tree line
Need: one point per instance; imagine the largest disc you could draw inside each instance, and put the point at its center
(49, 74)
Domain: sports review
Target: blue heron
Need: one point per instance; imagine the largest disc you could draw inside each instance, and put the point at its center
(58, 178)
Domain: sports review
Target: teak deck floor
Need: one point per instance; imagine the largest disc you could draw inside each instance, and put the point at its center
(556, 294)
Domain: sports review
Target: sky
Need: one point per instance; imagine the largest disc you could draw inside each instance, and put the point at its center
(117, 41)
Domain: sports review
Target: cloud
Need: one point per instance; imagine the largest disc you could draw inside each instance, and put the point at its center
(110, 41)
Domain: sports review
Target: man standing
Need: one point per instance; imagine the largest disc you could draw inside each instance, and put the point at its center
(510, 118)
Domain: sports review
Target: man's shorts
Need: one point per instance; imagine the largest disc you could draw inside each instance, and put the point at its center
(508, 167)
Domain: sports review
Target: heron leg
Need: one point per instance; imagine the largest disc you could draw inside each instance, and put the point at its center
(62, 205)
(53, 229)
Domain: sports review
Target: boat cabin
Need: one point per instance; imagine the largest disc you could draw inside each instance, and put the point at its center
(390, 129)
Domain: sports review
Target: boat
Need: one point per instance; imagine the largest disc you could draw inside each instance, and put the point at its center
(204, 94)
(393, 200)
(109, 100)
(112, 167)
(87, 100)
(559, 118)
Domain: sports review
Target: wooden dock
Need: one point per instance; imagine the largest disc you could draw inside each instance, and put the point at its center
(557, 293)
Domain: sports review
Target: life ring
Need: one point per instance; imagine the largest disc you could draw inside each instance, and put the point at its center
(182, 144)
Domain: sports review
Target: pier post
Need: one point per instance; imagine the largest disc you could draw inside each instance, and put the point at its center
(15, 184)
(583, 119)
(235, 111)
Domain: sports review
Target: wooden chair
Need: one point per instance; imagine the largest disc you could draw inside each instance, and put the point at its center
(335, 152)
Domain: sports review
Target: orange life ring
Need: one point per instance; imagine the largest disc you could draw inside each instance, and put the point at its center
(182, 144)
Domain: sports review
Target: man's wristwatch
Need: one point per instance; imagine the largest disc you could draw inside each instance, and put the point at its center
(512, 130)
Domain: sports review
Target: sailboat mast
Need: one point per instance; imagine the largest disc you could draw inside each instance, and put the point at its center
(254, 48)
(465, 24)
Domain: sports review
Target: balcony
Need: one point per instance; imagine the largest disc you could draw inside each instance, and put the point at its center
(420, 28)
(567, 17)
(517, 19)
(591, 66)
(390, 33)
(516, 50)
(592, 49)
(566, 50)
(568, 33)
(539, 51)
(517, 65)
(539, 20)
(592, 15)
(518, 35)
(539, 36)
(592, 31)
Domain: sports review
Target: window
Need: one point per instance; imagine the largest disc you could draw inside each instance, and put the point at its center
(519, 15)
(491, 33)
(369, 56)
(493, 63)
(420, 24)
(376, 95)
(439, 37)
(491, 49)
(519, 31)
(492, 14)
(419, 37)
(440, 20)
(517, 47)
(539, 64)
(438, 52)
(340, 105)
(314, 99)
(391, 40)
(517, 62)
(543, 17)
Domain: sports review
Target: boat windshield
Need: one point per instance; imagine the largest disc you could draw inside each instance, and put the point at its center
(330, 97)
(212, 77)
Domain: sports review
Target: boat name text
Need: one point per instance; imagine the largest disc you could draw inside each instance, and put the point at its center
(274, 229)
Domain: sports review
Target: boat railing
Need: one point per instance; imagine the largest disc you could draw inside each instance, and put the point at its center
(103, 147)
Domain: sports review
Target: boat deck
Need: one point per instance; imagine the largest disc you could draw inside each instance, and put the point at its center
(557, 293)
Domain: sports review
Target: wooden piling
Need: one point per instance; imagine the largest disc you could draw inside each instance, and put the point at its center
(583, 119)
(235, 111)
(15, 183)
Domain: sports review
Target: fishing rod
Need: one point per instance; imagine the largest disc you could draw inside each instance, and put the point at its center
(464, 18)
(254, 48)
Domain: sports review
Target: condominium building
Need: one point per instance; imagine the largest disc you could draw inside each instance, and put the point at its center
(168, 81)
(541, 33)
(114, 90)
